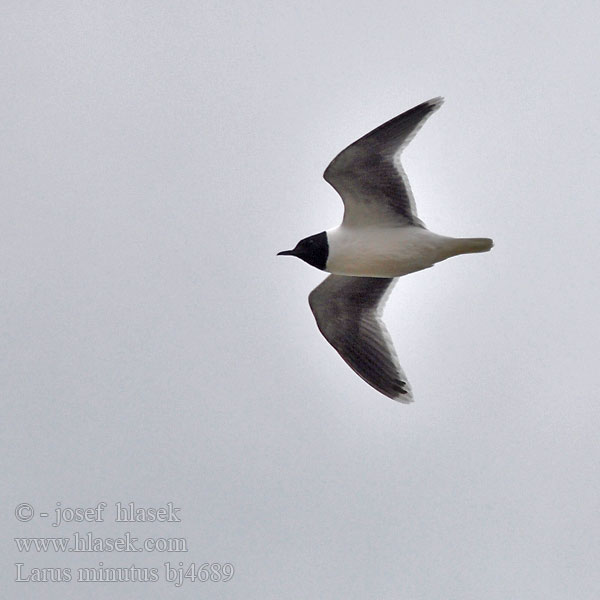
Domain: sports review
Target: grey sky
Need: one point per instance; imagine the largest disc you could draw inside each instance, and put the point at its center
(156, 156)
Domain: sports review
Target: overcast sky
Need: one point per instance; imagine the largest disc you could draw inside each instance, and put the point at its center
(156, 155)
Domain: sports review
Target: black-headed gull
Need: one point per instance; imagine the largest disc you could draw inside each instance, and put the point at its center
(380, 238)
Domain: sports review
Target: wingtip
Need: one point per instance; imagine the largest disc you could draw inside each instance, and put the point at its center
(405, 397)
(436, 102)
(401, 393)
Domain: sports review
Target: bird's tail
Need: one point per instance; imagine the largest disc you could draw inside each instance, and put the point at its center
(470, 245)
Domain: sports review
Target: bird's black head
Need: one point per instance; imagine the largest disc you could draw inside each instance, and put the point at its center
(314, 250)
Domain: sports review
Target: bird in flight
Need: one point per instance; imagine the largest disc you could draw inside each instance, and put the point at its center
(380, 238)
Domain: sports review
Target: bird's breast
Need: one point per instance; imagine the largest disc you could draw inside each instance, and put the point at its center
(383, 252)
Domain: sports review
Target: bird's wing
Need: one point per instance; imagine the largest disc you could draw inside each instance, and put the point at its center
(369, 177)
(348, 313)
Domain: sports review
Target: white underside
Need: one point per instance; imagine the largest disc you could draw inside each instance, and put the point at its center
(386, 252)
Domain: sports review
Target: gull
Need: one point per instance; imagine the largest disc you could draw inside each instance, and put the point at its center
(380, 239)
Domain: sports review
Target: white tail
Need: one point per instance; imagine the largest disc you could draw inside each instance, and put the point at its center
(470, 245)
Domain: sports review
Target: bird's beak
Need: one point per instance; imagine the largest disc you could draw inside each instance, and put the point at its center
(286, 253)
